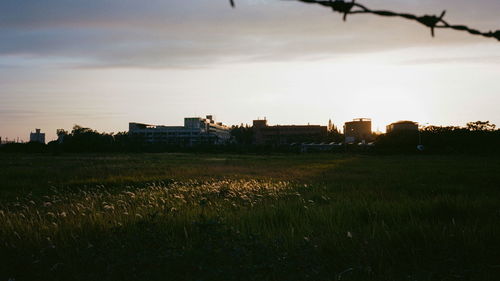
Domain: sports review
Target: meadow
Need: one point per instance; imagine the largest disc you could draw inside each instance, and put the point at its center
(249, 217)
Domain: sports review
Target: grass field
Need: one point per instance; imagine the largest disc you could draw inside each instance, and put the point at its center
(234, 217)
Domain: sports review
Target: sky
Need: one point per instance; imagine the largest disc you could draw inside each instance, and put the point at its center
(105, 63)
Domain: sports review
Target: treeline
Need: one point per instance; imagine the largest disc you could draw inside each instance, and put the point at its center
(80, 139)
(477, 137)
(474, 137)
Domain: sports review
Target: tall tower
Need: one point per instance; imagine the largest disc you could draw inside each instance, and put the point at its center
(37, 136)
(358, 130)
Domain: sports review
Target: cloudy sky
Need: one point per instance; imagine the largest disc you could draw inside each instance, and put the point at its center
(104, 63)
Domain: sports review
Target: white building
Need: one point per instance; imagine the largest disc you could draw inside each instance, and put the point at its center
(37, 136)
(196, 130)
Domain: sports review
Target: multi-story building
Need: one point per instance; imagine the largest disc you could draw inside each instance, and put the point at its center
(407, 126)
(286, 134)
(37, 136)
(358, 130)
(196, 130)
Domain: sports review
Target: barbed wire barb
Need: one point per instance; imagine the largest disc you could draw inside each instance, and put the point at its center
(430, 21)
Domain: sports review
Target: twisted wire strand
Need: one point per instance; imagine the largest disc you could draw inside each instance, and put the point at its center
(430, 21)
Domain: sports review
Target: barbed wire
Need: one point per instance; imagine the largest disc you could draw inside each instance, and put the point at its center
(430, 21)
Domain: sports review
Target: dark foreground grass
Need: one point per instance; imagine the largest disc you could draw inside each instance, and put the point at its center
(227, 217)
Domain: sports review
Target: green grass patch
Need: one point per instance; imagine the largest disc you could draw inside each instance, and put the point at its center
(233, 217)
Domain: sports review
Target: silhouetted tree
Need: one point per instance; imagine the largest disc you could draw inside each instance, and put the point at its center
(242, 134)
(479, 136)
(481, 126)
(334, 135)
(83, 139)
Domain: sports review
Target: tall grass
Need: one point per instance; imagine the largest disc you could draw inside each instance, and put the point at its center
(333, 219)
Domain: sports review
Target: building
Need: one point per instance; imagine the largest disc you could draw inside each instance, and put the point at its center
(407, 126)
(196, 130)
(358, 130)
(286, 134)
(37, 136)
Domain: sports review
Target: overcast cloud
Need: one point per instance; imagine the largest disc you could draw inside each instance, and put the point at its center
(182, 33)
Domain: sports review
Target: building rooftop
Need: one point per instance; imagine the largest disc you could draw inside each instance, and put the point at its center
(404, 122)
(361, 120)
